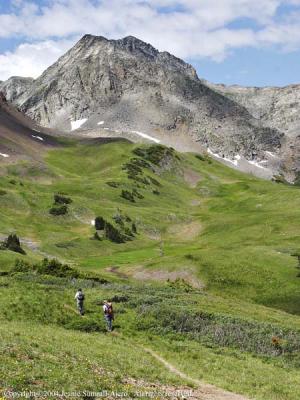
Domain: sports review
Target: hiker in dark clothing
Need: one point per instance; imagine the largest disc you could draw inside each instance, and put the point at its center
(108, 314)
(79, 297)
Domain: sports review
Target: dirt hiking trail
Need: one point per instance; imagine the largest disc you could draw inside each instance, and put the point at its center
(202, 391)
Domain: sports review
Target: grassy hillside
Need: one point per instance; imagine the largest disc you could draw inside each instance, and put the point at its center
(206, 274)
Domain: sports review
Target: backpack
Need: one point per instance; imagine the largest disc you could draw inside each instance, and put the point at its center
(109, 309)
(80, 296)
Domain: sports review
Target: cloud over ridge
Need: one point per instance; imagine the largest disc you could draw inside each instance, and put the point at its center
(190, 29)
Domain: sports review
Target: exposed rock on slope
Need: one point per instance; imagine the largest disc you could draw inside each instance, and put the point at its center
(128, 85)
(15, 87)
(277, 107)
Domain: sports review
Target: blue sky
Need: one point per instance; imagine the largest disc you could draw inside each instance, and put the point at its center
(252, 67)
(245, 42)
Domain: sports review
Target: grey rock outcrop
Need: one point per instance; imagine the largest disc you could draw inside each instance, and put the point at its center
(15, 87)
(277, 107)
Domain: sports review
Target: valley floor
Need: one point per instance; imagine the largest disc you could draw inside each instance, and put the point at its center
(204, 278)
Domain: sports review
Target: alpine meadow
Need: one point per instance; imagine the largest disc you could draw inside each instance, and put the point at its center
(149, 229)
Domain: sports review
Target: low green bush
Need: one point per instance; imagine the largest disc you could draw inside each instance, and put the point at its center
(121, 233)
(137, 194)
(119, 298)
(113, 184)
(200, 157)
(127, 195)
(22, 266)
(99, 223)
(218, 330)
(12, 243)
(58, 210)
(155, 181)
(55, 268)
(113, 234)
(85, 325)
(60, 199)
(136, 165)
(156, 154)
(47, 267)
(203, 158)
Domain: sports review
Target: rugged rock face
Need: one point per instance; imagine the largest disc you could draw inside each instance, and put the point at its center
(128, 86)
(15, 87)
(278, 108)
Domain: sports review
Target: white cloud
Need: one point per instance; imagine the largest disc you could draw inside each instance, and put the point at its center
(31, 59)
(186, 28)
(117, 17)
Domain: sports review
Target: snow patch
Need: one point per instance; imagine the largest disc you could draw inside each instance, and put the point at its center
(4, 155)
(77, 124)
(144, 135)
(256, 164)
(234, 161)
(213, 154)
(37, 137)
(270, 154)
(237, 158)
(100, 123)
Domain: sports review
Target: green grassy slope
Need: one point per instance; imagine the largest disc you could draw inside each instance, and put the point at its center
(214, 251)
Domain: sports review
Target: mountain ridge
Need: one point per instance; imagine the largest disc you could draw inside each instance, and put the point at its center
(106, 86)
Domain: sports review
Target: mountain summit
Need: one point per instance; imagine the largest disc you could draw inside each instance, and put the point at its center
(127, 85)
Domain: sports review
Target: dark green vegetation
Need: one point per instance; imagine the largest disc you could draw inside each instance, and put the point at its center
(55, 268)
(121, 231)
(60, 199)
(12, 243)
(60, 206)
(59, 210)
(202, 267)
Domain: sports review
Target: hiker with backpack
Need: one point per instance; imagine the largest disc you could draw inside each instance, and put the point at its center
(79, 297)
(108, 314)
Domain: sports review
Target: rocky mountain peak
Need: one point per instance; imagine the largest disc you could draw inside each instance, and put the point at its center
(129, 44)
(126, 85)
(121, 50)
(89, 40)
(138, 47)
